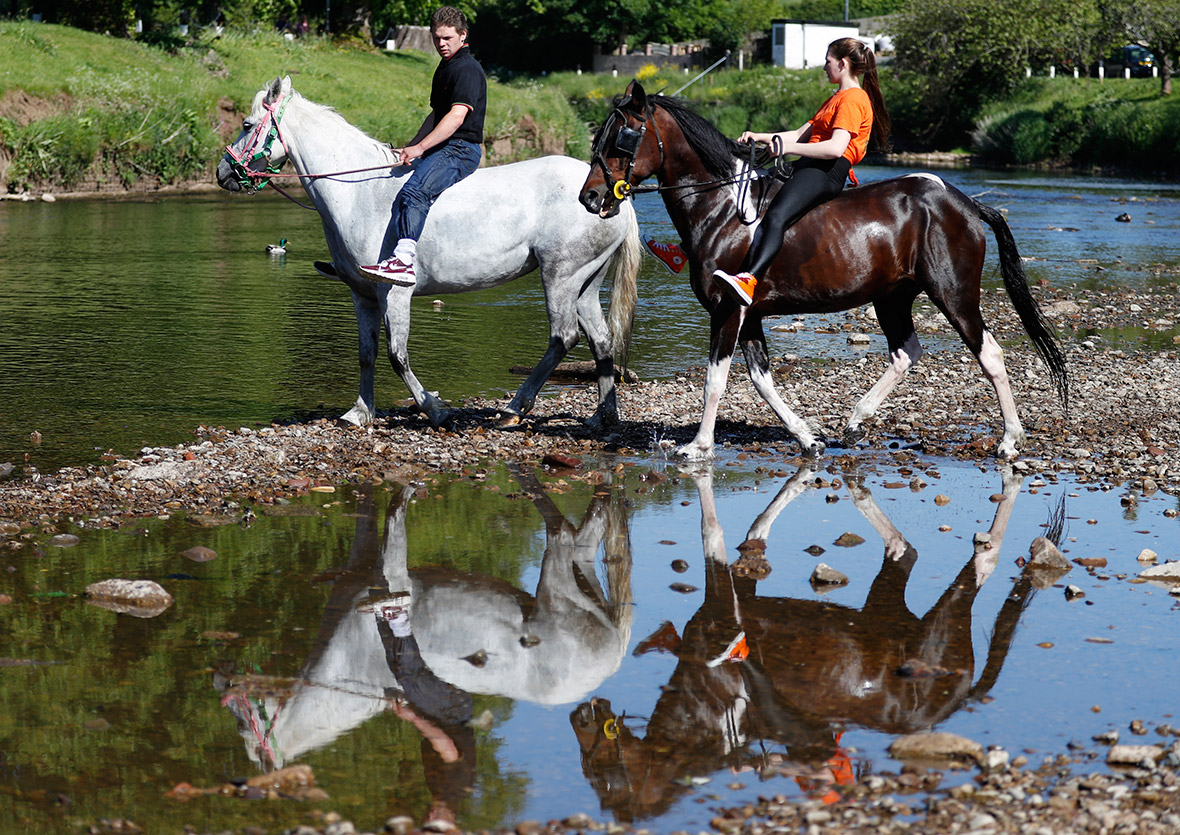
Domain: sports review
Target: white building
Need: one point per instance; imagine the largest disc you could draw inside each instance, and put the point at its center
(802, 44)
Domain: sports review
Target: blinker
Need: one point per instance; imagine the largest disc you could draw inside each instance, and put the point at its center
(627, 140)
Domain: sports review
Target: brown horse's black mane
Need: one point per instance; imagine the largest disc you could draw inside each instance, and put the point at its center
(716, 150)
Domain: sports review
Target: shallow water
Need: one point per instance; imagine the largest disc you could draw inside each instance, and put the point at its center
(263, 658)
(128, 323)
(580, 608)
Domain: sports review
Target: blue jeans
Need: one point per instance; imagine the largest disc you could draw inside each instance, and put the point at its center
(433, 174)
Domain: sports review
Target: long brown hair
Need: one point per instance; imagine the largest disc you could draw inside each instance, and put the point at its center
(863, 63)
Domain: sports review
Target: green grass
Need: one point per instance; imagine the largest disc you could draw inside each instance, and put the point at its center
(1119, 123)
(116, 111)
(152, 110)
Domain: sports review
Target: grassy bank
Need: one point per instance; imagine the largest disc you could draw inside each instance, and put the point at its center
(80, 111)
(1085, 123)
(84, 112)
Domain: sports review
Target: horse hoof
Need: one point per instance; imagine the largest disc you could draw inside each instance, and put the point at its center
(692, 452)
(509, 420)
(853, 435)
(814, 450)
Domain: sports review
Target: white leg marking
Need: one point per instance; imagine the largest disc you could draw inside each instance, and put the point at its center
(701, 447)
(991, 360)
(901, 361)
(795, 424)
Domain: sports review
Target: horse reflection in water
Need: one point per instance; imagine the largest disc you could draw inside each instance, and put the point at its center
(420, 641)
(755, 669)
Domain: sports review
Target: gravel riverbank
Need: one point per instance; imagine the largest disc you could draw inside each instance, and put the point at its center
(1121, 434)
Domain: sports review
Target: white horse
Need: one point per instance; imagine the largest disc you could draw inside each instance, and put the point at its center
(496, 225)
(467, 633)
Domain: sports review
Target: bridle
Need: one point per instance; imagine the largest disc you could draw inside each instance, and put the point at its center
(258, 147)
(627, 142)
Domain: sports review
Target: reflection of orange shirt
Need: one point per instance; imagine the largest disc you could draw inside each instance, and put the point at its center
(849, 110)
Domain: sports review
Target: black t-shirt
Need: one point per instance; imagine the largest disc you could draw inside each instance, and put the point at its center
(461, 81)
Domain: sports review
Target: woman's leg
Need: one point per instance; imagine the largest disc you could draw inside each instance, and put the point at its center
(807, 188)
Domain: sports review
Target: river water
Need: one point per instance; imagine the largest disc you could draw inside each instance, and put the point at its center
(129, 323)
(568, 645)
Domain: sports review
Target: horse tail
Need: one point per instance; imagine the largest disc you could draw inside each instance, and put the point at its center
(623, 294)
(1035, 324)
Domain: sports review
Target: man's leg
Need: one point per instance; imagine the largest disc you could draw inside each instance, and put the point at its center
(432, 175)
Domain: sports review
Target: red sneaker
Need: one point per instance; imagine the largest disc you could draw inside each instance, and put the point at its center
(670, 255)
(392, 271)
(740, 287)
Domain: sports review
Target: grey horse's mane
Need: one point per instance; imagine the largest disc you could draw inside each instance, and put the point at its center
(341, 123)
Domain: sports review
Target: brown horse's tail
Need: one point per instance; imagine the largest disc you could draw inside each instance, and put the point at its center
(1035, 324)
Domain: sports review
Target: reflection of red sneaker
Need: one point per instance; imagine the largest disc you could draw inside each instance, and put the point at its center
(740, 287)
(663, 639)
(670, 255)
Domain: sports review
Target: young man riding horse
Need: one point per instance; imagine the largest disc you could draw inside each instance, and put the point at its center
(447, 147)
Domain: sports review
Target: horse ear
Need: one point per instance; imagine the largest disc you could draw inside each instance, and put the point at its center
(637, 94)
(275, 89)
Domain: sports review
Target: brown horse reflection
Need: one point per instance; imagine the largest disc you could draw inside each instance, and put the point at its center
(795, 672)
(420, 641)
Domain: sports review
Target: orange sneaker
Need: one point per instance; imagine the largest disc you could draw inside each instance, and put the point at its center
(740, 287)
(670, 255)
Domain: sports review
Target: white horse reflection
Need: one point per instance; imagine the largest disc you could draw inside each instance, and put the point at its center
(420, 641)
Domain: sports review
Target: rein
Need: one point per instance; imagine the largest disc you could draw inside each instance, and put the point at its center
(259, 146)
(627, 142)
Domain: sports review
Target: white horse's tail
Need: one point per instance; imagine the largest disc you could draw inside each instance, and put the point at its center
(623, 293)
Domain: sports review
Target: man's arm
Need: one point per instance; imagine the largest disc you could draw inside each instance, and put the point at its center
(437, 135)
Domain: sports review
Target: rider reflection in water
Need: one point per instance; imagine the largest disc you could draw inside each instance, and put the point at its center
(447, 147)
(829, 144)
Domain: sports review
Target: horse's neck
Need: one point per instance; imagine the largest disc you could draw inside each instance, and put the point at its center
(699, 207)
(319, 141)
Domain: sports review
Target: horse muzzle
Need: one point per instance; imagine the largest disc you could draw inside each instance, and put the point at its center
(226, 178)
(599, 200)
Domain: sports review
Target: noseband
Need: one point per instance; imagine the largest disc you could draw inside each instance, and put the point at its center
(627, 142)
(259, 146)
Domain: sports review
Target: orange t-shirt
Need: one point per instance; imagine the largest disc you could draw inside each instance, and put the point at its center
(848, 110)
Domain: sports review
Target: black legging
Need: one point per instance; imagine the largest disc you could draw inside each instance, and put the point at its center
(814, 181)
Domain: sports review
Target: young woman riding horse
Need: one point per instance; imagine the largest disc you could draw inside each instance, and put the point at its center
(882, 244)
(834, 140)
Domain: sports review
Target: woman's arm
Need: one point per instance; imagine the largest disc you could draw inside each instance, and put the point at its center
(775, 140)
(827, 149)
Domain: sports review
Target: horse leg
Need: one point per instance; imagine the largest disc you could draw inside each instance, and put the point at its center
(563, 336)
(968, 321)
(725, 323)
(397, 331)
(368, 326)
(598, 335)
(561, 305)
(753, 340)
(895, 315)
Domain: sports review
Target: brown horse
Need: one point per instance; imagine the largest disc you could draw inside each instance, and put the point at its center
(881, 244)
(793, 672)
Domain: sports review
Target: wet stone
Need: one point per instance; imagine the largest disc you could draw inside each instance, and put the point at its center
(825, 575)
(64, 540)
(199, 553)
(139, 598)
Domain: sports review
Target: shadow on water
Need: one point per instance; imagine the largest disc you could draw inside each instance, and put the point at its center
(517, 644)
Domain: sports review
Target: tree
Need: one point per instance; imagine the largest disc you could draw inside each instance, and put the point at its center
(963, 53)
(1154, 24)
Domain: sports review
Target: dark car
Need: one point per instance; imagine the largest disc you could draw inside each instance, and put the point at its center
(1134, 57)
